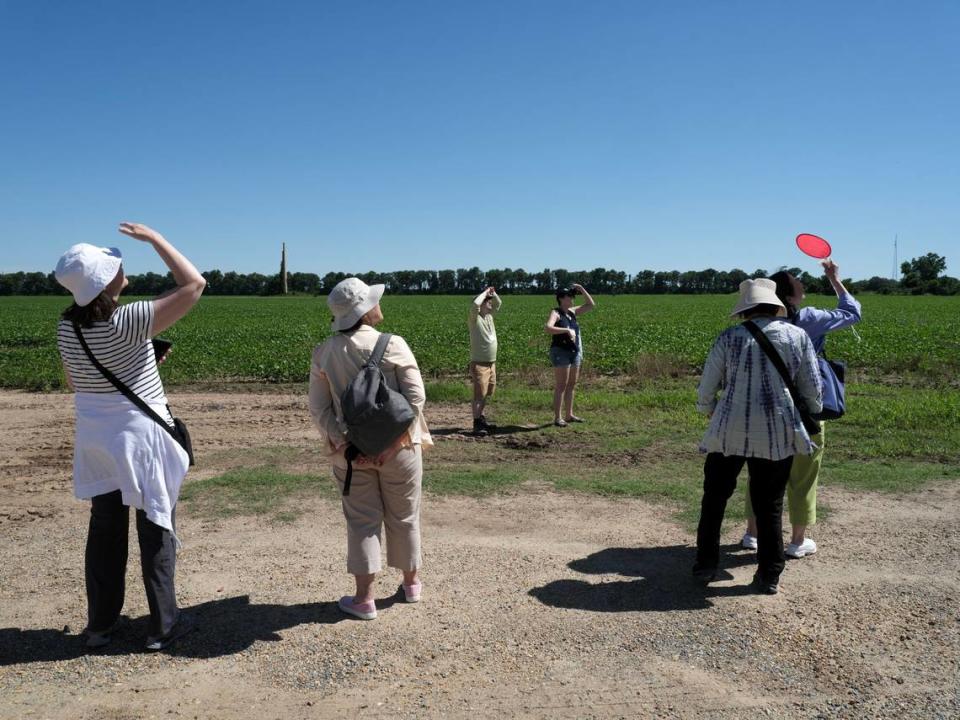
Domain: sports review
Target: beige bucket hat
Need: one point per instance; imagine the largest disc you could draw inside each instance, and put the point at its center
(758, 292)
(350, 300)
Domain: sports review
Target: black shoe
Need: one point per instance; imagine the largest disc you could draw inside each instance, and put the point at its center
(478, 428)
(705, 573)
(183, 625)
(487, 424)
(764, 587)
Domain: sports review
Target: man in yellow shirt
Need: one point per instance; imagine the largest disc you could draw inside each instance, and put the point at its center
(483, 354)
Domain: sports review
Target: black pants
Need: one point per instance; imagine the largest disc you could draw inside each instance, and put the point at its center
(768, 480)
(106, 565)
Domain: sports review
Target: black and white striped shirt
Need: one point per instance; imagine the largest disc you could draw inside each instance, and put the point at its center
(122, 345)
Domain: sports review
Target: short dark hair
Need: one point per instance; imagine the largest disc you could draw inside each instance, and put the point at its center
(565, 292)
(760, 310)
(352, 328)
(100, 309)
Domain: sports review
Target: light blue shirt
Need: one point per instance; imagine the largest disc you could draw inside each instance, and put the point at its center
(817, 323)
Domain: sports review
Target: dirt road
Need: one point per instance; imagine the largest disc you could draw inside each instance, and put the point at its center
(536, 604)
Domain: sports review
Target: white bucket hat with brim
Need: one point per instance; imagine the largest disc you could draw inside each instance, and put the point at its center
(758, 292)
(85, 270)
(350, 300)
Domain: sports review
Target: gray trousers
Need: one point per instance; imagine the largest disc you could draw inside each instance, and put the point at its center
(106, 566)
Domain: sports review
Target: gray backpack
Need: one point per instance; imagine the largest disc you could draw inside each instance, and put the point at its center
(374, 414)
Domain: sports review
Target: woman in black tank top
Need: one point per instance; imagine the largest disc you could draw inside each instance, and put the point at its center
(566, 350)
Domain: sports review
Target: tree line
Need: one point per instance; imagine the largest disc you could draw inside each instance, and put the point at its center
(919, 276)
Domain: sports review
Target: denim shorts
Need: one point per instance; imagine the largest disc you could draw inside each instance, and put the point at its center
(562, 357)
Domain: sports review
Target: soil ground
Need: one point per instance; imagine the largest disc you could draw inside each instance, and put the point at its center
(536, 603)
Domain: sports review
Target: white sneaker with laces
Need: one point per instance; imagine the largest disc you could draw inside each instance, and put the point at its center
(749, 542)
(807, 547)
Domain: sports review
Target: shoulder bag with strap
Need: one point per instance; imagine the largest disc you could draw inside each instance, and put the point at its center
(179, 430)
(833, 374)
(811, 425)
(374, 414)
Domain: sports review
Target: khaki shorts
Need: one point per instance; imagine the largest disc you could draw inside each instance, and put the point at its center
(484, 376)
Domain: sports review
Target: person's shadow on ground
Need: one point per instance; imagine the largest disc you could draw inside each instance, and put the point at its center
(664, 582)
(222, 627)
(492, 432)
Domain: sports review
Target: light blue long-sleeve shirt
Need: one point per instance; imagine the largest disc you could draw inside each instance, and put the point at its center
(817, 322)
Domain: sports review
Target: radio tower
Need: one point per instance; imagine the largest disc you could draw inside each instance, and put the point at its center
(896, 265)
(283, 270)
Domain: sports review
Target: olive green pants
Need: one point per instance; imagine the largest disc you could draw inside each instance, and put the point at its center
(802, 485)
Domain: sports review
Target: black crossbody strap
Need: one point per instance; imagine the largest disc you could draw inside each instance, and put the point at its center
(764, 342)
(128, 393)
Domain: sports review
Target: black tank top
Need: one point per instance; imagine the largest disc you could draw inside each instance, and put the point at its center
(566, 320)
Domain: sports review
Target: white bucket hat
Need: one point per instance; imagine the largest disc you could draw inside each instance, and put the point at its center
(758, 292)
(85, 270)
(350, 300)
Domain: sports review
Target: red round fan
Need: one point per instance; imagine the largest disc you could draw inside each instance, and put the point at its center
(813, 245)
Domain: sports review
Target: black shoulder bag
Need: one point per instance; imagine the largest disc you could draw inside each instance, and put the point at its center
(179, 430)
(811, 425)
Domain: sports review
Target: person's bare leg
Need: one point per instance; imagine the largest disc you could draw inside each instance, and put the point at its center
(799, 533)
(364, 588)
(570, 389)
(560, 376)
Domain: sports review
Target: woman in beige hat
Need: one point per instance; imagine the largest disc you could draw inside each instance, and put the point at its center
(122, 456)
(384, 490)
(755, 422)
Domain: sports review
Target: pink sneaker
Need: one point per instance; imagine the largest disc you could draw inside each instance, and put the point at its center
(412, 592)
(364, 611)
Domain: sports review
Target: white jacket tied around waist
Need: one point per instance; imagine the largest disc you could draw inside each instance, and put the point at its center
(120, 448)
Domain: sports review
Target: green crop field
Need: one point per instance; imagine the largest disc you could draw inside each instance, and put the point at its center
(270, 339)
(643, 353)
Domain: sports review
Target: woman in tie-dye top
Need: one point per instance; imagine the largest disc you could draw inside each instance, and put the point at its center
(805, 473)
(754, 422)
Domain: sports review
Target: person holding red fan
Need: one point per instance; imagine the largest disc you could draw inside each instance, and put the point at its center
(805, 472)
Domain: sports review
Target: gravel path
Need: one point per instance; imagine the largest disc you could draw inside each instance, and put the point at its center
(536, 604)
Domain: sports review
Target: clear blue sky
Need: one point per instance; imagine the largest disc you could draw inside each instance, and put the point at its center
(427, 135)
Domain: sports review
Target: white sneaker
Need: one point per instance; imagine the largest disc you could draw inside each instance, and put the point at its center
(807, 547)
(749, 542)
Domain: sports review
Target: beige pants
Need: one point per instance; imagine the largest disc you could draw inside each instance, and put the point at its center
(381, 496)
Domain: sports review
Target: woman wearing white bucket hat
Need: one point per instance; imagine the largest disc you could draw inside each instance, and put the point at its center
(384, 490)
(122, 457)
(755, 422)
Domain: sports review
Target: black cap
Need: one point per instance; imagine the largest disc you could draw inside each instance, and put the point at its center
(565, 292)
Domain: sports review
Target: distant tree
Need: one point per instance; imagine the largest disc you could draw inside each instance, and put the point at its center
(922, 270)
(446, 282)
(214, 279)
(331, 279)
(304, 282)
(544, 281)
(643, 281)
(877, 284)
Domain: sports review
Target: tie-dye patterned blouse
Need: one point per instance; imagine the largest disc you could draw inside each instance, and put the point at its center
(755, 415)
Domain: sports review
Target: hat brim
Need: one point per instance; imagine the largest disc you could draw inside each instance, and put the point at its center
(347, 321)
(742, 307)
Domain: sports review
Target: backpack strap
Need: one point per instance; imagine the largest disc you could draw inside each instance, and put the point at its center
(127, 392)
(351, 453)
(811, 425)
(376, 356)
